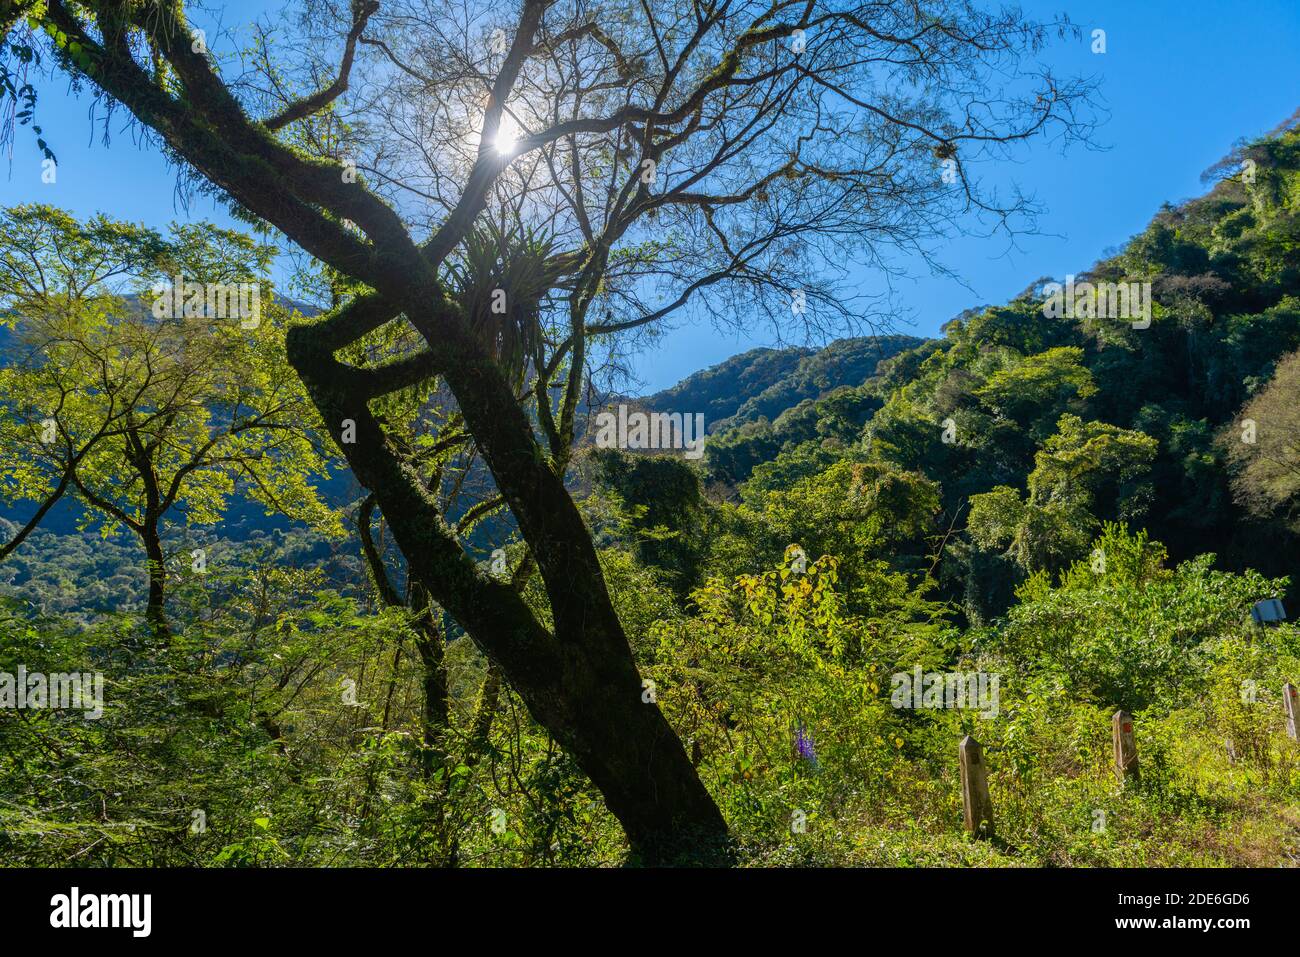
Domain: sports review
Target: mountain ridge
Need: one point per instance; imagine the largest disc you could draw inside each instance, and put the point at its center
(764, 382)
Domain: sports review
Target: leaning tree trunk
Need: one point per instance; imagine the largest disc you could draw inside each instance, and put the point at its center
(581, 682)
(618, 733)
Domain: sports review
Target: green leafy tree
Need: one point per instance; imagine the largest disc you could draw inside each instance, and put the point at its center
(662, 512)
(1123, 628)
(146, 418)
(1035, 390)
(870, 517)
(1086, 473)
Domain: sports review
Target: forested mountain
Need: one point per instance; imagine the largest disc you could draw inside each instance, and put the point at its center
(1035, 429)
(763, 383)
(720, 390)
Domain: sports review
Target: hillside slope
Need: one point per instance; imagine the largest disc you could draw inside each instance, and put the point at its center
(763, 383)
(1036, 422)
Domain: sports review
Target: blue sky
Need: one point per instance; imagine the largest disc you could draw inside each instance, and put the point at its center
(1182, 81)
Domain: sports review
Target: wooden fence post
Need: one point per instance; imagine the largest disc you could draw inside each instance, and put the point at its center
(1292, 705)
(975, 798)
(1126, 755)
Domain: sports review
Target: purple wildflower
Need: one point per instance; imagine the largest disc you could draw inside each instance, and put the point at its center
(803, 745)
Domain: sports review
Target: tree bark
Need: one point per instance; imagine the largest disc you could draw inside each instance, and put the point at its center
(155, 609)
(580, 683)
(436, 715)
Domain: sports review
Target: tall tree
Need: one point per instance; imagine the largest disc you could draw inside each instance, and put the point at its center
(145, 406)
(731, 158)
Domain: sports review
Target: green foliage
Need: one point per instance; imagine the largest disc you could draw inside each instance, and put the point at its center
(863, 513)
(772, 658)
(660, 510)
(1031, 389)
(1121, 629)
(1085, 474)
(1064, 505)
(146, 413)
